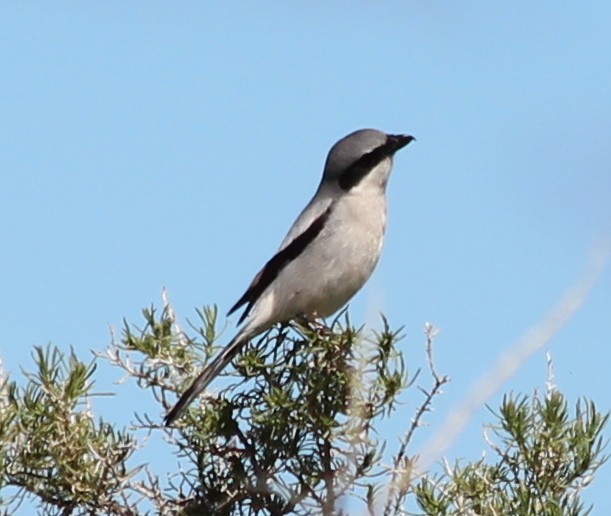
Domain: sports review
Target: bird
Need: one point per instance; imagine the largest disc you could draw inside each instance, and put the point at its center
(328, 254)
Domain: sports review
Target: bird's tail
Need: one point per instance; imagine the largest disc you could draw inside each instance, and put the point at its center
(206, 376)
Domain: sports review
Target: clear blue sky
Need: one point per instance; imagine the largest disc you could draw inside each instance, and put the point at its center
(145, 145)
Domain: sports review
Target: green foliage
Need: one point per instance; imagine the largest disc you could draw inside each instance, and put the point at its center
(51, 448)
(292, 429)
(544, 458)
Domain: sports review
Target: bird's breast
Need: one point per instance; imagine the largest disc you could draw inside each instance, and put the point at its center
(338, 262)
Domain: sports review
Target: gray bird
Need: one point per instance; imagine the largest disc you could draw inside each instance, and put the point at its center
(328, 254)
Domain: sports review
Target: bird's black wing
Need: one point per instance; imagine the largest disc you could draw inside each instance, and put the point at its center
(280, 260)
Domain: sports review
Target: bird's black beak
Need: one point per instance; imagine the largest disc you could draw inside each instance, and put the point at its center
(398, 141)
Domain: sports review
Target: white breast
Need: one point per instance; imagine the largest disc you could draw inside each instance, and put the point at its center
(337, 263)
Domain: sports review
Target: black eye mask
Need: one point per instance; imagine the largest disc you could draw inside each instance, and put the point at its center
(353, 175)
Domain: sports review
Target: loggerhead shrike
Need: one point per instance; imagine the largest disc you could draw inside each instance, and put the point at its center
(328, 254)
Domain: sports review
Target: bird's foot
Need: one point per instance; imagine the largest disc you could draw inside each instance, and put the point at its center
(312, 324)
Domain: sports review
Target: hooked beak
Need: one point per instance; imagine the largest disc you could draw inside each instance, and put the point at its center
(398, 141)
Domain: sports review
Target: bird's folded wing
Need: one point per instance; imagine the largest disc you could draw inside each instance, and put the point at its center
(280, 260)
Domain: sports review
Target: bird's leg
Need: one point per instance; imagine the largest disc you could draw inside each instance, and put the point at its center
(312, 323)
(282, 327)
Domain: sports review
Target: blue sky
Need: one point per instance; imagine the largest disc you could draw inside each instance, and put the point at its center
(150, 145)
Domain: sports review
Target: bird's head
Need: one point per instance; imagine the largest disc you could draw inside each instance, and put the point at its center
(362, 158)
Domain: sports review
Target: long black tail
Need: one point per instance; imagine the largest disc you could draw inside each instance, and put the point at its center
(206, 376)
